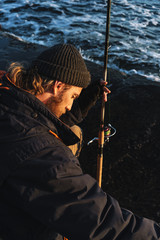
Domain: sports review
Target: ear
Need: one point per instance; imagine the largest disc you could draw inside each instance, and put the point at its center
(57, 87)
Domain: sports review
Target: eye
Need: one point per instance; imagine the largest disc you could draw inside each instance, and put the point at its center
(74, 97)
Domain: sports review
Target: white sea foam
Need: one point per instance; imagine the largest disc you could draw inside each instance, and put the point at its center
(137, 25)
(134, 33)
(135, 72)
(154, 22)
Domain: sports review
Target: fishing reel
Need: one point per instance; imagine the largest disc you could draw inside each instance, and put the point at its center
(109, 131)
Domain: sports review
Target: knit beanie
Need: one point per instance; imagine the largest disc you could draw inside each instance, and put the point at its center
(63, 63)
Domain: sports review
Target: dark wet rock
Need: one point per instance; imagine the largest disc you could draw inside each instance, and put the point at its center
(13, 50)
(132, 157)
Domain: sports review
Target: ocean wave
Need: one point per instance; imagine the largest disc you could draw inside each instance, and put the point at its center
(151, 77)
(134, 31)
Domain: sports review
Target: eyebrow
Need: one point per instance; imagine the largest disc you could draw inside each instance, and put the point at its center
(76, 95)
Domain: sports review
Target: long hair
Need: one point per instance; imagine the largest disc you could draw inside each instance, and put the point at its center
(27, 79)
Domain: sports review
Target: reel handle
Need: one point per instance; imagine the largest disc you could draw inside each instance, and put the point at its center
(109, 131)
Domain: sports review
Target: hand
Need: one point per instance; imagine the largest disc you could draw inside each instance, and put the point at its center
(106, 91)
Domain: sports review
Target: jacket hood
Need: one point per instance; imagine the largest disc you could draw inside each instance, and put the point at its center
(24, 119)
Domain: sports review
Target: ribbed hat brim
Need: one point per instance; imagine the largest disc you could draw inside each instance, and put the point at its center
(66, 75)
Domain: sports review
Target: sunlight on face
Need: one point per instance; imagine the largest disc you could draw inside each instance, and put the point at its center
(63, 101)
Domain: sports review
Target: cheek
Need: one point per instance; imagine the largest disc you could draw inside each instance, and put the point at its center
(68, 101)
(69, 104)
(71, 101)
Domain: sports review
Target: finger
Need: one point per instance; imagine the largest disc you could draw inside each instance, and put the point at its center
(105, 89)
(105, 93)
(105, 97)
(102, 82)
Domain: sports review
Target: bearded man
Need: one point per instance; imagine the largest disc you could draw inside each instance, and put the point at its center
(44, 193)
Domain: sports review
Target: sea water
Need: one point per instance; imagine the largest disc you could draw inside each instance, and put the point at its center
(134, 29)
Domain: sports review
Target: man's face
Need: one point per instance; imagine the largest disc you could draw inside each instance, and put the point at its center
(63, 100)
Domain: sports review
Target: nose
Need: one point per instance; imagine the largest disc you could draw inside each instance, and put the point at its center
(69, 105)
(68, 108)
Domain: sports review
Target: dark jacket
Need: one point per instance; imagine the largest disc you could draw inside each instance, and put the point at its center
(44, 194)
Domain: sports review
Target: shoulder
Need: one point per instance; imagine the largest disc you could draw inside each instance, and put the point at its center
(55, 160)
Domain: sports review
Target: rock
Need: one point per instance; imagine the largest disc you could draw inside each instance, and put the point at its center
(132, 157)
(131, 161)
(13, 50)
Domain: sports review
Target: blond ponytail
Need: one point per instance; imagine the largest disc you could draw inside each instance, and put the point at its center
(27, 79)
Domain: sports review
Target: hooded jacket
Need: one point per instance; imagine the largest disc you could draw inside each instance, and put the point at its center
(44, 193)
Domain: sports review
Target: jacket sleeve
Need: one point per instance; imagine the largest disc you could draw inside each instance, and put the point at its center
(83, 104)
(52, 188)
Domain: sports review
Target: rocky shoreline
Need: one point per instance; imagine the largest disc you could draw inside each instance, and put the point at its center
(131, 157)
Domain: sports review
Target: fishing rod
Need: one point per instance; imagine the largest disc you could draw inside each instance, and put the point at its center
(102, 128)
(105, 132)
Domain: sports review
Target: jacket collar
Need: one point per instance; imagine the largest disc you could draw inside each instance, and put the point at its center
(29, 104)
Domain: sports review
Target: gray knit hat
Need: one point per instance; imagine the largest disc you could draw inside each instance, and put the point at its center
(64, 63)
